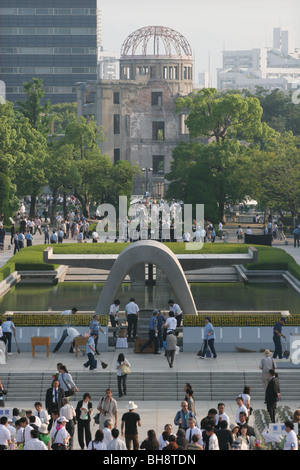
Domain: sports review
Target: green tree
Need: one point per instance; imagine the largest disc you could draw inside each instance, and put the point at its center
(229, 122)
(220, 116)
(37, 114)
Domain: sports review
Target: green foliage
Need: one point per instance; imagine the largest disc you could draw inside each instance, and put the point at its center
(221, 115)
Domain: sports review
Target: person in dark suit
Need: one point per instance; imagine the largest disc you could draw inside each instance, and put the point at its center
(272, 394)
(54, 398)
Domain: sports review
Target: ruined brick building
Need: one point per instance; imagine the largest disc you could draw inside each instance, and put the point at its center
(138, 111)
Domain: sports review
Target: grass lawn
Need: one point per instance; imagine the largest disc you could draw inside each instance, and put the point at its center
(31, 258)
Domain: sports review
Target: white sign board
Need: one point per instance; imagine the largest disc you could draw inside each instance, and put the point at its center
(295, 348)
(8, 412)
(278, 429)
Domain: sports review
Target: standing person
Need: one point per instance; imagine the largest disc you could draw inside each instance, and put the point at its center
(266, 363)
(132, 312)
(83, 411)
(70, 333)
(131, 420)
(34, 443)
(171, 343)
(5, 435)
(66, 382)
(277, 334)
(113, 313)
(97, 443)
(291, 442)
(209, 338)
(241, 407)
(28, 238)
(213, 443)
(193, 429)
(153, 334)
(116, 443)
(296, 233)
(221, 416)
(67, 411)
(108, 409)
(177, 311)
(151, 442)
(54, 398)
(96, 328)
(12, 232)
(239, 233)
(8, 329)
(41, 413)
(182, 416)
(224, 436)
(121, 376)
(59, 435)
(3, 392)
(272, 394)
(91, 351)
(2, 237)
(16, 242)
(46, 231)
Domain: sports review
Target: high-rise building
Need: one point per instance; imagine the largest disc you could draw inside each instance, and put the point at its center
(54, 40)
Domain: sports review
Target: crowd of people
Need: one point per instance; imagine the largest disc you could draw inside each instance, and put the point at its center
(52, 426)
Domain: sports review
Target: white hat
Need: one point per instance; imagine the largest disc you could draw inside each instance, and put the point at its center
(131, 405)
(43, 428)
(62, 419)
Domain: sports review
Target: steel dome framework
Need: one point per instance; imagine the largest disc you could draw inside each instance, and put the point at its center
(157, 41)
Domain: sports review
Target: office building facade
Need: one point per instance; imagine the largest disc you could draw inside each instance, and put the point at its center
(54, 40)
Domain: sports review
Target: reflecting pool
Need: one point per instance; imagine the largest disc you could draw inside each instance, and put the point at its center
(208, 296)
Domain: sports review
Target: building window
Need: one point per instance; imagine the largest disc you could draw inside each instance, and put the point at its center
(156, 98)
(117, 155)
(158, 131)
(116, 123)
(116, 97)
(158, 164)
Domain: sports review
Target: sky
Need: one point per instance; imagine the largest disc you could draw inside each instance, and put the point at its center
(210, 26)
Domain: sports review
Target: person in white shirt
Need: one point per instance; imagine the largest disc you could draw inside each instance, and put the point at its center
(72, 333)
(34, 443)
(177, 311)
(70, 312)
(241, 407)
(291, 441)
(40, 413)
(23, 434)
(213, 443)
(5, 435)
(171, 322)
(108, 426)
(67, 411)
(59, 434)
(113, 312)
(116, 443)
(97, 443)
(132, 315)
(221, 415)
(193, 429)
(95, 236)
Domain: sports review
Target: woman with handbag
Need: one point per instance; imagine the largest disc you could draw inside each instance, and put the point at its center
(66, 382)
(123, 369)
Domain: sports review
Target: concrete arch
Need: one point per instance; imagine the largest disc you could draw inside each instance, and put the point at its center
(147, 251)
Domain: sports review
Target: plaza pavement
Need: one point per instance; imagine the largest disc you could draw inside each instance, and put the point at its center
(154, 414)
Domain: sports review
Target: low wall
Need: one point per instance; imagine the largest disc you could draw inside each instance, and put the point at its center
(24, 334)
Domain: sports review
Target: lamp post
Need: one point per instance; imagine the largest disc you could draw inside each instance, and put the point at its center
(147, 172)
